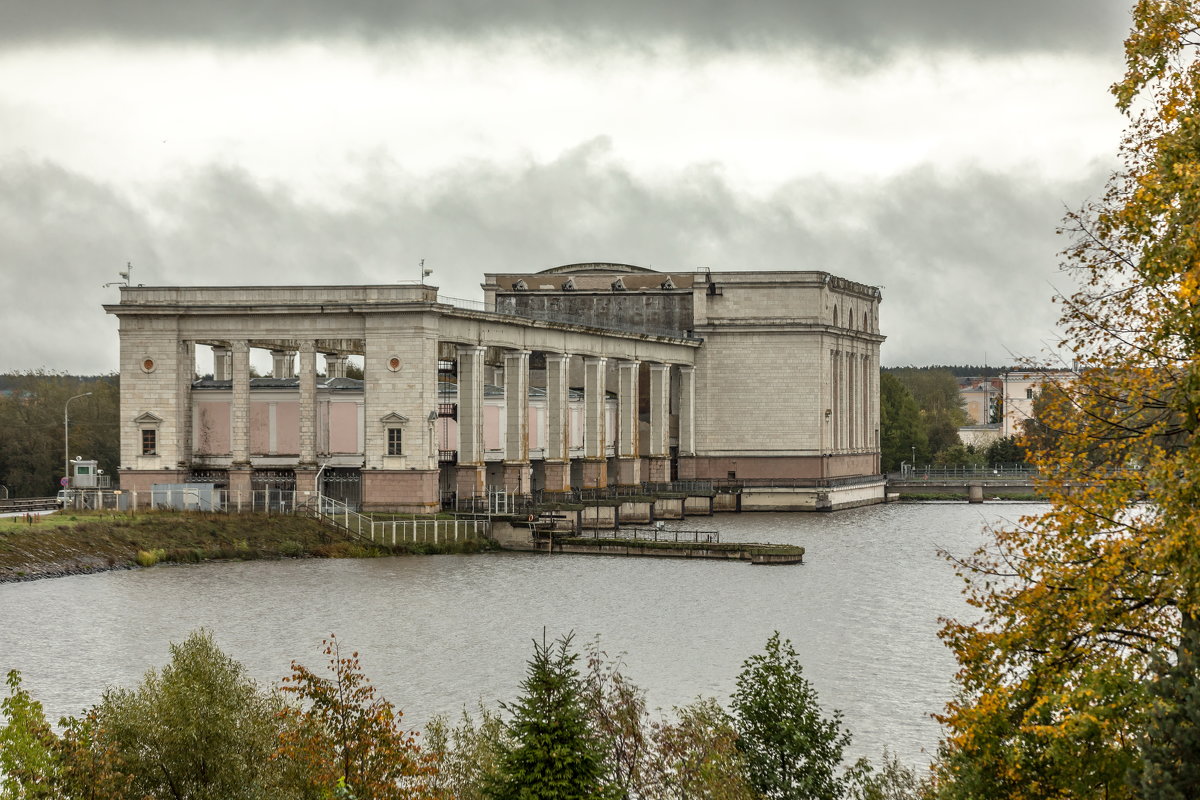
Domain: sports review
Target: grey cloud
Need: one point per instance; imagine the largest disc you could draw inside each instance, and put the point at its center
(966, 262)
(867, 27)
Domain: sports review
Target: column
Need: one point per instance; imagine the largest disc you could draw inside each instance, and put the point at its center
(558, 426)
(629, 465)
(659, 447)
(283, 363)
(221, 370)
(471, 471)
(335, 365)
(595, 460)
(516, 430)
(185, 373)
(306, 469)
(239, 423)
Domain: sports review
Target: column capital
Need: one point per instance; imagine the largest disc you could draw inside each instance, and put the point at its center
(657, 366)
(473, 349)
(595, 359)
(552, 356)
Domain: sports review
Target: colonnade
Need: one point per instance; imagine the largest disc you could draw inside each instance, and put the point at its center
(231, 362)
(470, 474)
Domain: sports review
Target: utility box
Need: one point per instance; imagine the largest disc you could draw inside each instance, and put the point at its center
(84, 474)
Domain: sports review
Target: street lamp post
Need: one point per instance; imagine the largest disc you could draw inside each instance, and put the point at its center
(914, 456)
(67, 435)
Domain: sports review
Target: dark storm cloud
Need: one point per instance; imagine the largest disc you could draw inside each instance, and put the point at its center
(966, 262)
(864, 26)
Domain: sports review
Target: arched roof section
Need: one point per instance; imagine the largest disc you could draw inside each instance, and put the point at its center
(593, 267)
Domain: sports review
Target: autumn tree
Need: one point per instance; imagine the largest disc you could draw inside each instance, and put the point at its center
(346, 737)
(1077, 606)
(696, 756)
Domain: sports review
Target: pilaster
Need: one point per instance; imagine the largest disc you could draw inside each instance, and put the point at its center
(687, 410)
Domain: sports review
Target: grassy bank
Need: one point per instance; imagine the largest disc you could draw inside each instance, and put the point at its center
(77, 542)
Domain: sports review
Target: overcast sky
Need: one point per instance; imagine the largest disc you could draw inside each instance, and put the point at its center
(926, 146)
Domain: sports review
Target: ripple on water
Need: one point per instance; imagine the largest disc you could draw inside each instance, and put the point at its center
(439, 632)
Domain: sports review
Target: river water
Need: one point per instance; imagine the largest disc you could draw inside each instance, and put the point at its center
(439, 632)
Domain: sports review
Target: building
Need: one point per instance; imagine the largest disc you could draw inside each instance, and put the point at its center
(1020, 389)
(581, 376)
(998, 407)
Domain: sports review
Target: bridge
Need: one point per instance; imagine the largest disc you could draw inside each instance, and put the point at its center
(932, 482)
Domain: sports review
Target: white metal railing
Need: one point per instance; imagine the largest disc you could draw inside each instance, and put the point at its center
(392, 532)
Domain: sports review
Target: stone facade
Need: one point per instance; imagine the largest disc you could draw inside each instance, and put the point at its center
(584, 375)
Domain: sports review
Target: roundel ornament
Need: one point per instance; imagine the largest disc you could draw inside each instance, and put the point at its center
(148, 365)
(394, 363)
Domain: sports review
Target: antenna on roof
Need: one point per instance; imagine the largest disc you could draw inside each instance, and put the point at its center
(425, 273)
(124, 275)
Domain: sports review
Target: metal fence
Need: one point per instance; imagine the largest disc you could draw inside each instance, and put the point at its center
(395, 531)
(656, 534)
(966, 472)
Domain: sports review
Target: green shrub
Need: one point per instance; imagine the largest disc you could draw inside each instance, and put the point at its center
(148, 558)
(291, 548)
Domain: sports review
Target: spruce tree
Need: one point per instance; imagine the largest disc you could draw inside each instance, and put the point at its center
(555, 754)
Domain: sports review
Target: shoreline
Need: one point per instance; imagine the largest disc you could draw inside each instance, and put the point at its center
(81, 543)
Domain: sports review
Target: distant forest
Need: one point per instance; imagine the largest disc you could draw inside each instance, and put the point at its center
(31, 428)
(957, 370)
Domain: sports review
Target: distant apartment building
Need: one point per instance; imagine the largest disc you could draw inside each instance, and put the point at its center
(998, 406)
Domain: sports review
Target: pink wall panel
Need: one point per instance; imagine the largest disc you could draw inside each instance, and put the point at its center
(447, 434)
(260, 428)
(491, 427)
(576, 413)
(287, 428)
(210, 431)
(535, 427)
(343, 428)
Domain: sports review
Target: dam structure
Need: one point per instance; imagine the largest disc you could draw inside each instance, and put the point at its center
(585, 376)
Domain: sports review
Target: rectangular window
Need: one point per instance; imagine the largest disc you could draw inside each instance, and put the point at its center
(395, 444)
(149, 442)
(1029, 394)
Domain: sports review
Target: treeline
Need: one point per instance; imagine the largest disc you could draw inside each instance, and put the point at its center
(920, 412)
(200, 729)
(31, 428)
